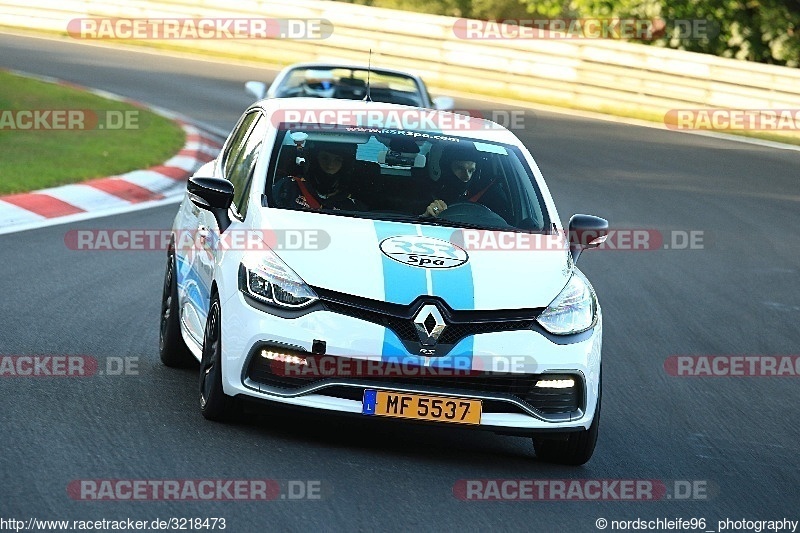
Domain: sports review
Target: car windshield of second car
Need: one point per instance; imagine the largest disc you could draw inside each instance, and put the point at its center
(351, 84)
(404, 175)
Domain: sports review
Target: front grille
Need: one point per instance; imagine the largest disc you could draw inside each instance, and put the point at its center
(402, 327)
(517, 386)
(455, 332)
(400, 318)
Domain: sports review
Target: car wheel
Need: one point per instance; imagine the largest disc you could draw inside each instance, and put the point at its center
(171, 347)
(570, 448)
(214, 403)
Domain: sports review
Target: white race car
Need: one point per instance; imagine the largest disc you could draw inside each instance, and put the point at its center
(349, 82)
(341, 257)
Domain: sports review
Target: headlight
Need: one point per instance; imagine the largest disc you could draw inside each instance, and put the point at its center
(573, 310)
(267, 279)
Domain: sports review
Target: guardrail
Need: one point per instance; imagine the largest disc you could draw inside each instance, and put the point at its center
(590, 73)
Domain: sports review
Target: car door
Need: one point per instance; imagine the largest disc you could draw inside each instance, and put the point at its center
(196, 271)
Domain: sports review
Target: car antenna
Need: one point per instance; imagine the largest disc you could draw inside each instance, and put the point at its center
(367, 97)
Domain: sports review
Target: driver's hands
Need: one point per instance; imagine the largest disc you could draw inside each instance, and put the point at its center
(435, 208)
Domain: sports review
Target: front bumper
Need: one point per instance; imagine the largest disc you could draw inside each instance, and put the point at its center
(498, 367)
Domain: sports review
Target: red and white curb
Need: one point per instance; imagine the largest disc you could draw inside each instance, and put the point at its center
(104, 196)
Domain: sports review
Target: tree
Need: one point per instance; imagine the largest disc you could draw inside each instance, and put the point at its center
(766, 31)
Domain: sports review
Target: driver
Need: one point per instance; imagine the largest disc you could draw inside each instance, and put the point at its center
(318, 83)
(459, 164)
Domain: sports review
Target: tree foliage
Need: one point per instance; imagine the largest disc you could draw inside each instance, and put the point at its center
(766, 31)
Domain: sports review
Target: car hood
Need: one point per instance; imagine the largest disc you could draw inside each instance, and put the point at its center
(381, 260)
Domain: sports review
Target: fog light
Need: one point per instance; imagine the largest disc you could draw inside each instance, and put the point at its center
(283, 358)
(556, 383)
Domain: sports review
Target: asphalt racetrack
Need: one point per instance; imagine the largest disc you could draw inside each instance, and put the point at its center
(722, 447)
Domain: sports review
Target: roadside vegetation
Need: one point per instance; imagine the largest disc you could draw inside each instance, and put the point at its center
(764, 31)
(53, 135)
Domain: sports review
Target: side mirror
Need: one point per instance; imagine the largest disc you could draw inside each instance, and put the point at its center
(586, 231)
(256, 88)
(443, 103)
(214, 195)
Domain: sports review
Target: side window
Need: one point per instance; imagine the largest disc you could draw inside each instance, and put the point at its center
(240, 171)
(237, 142)
(532, 208)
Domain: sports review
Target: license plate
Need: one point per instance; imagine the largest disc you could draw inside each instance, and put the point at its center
(418, 407)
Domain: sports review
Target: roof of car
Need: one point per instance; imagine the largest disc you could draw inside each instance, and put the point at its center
(331, 111)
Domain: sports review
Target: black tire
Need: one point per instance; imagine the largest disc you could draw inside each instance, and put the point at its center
(171, 347)
(571, 448)
(214, 403)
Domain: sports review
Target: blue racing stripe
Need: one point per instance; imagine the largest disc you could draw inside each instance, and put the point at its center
(454, 285)
(395, 352)
(404, 283)
(401, 283)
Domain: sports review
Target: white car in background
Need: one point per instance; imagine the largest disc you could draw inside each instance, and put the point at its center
(387, 312)
(349, 82)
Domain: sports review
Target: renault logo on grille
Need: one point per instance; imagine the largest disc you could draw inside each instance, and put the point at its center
(429, 324)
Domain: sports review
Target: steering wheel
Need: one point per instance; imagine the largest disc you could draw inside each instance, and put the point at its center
(472, 213)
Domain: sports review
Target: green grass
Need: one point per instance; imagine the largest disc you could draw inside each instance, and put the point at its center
(39, 158)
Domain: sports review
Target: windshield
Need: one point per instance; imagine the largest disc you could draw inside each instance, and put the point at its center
(410, 176)
(351, 84)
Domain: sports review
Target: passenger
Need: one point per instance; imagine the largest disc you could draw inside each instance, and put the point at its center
(327, 181)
